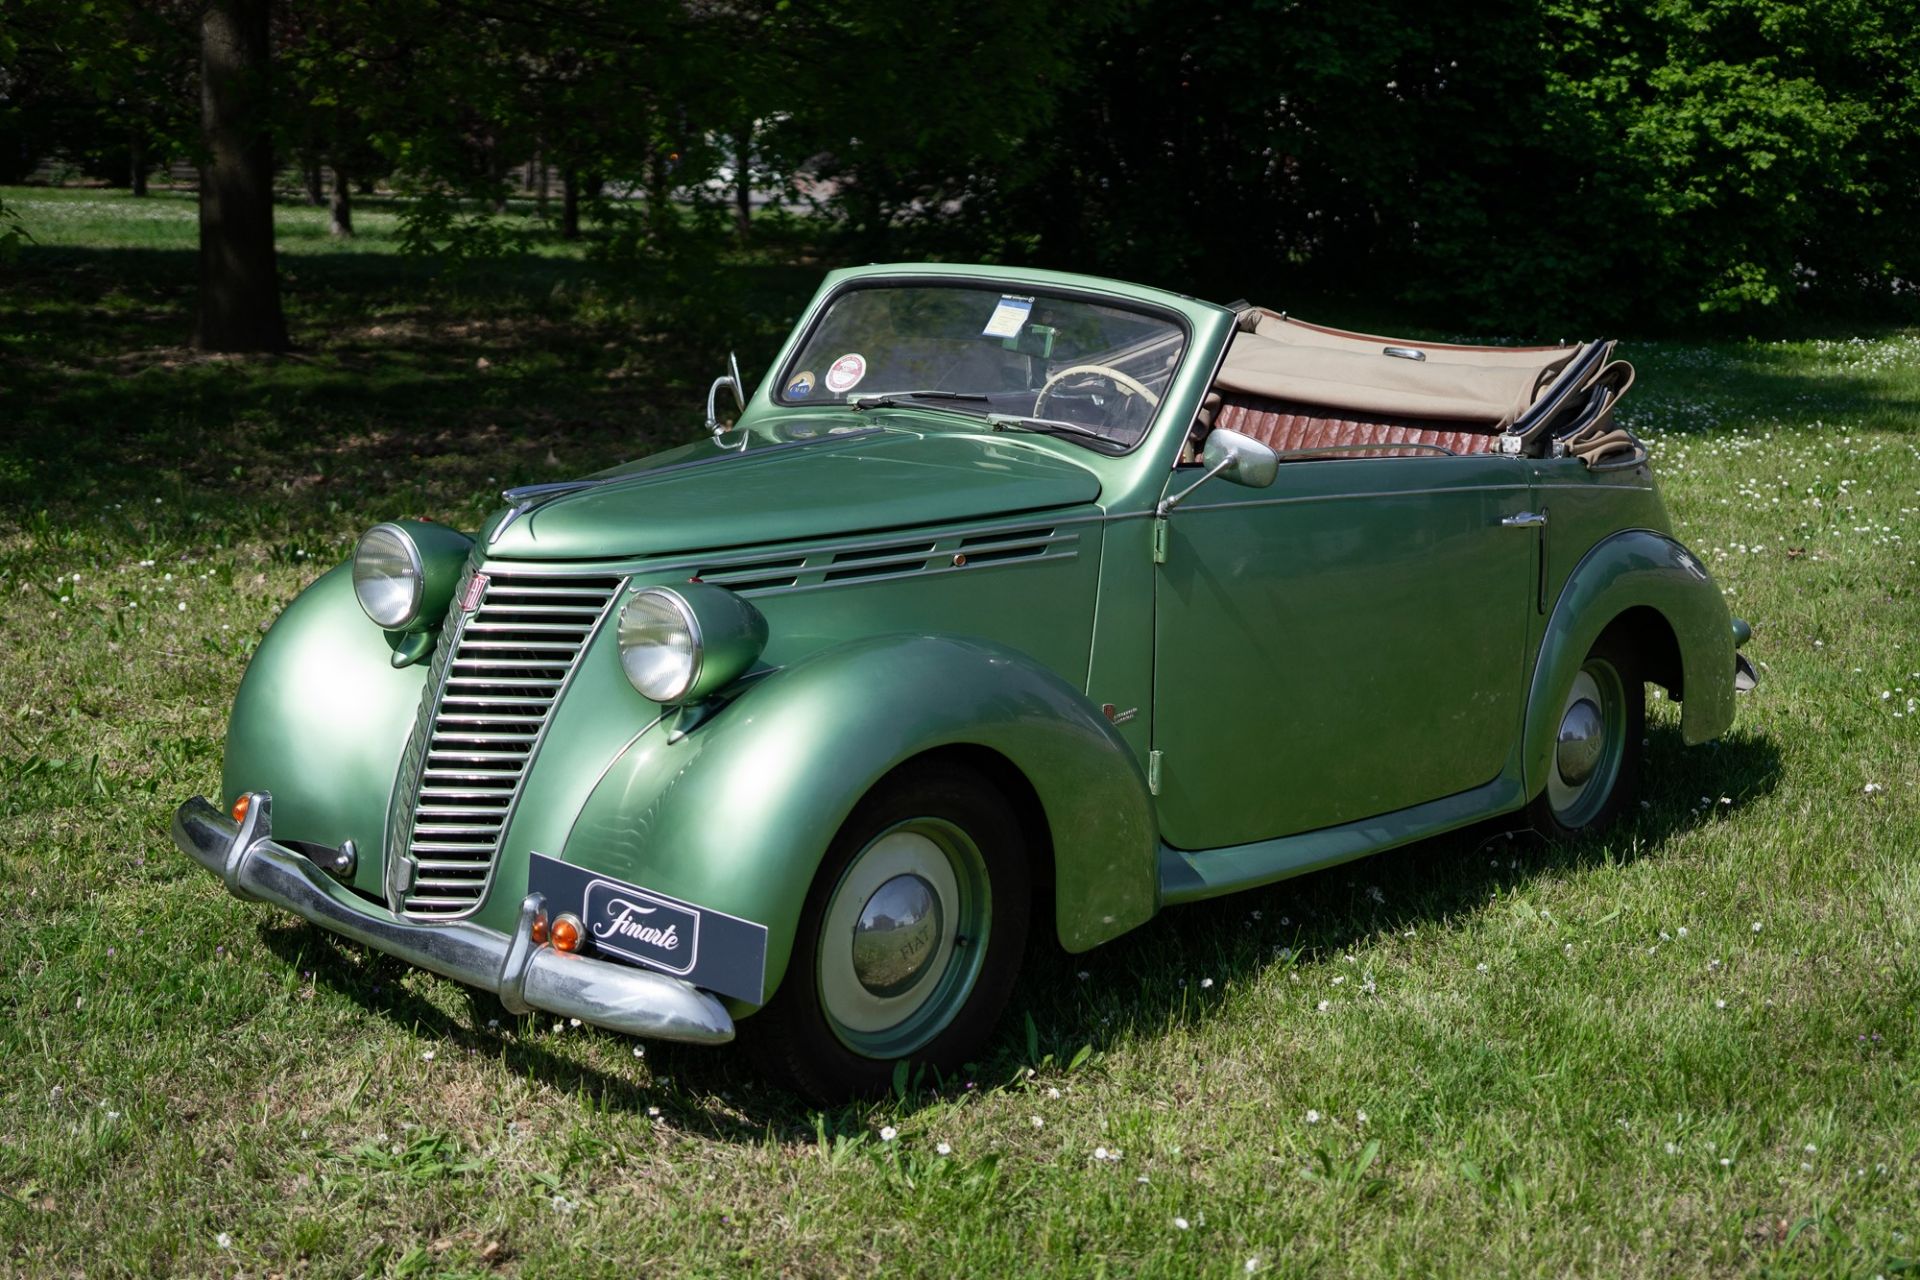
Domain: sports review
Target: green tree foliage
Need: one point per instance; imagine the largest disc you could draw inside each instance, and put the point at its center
(1536, 165)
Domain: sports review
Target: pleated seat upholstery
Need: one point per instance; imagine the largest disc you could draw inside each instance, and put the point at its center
(1287, 425)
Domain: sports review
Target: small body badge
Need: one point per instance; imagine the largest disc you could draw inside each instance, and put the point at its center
(476, 589)
(801, 387)
(846, 372)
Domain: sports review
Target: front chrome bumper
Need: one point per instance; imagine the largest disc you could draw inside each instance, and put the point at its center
(525, 975)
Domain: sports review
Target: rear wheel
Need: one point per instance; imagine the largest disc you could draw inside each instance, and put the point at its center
(1594, 771)
(909, 940)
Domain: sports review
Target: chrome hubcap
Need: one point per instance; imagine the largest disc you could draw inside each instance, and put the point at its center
(903, 938)
(1588, 747)
(1582, 734)
(897, 936)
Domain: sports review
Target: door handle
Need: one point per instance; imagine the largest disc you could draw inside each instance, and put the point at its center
(1525, 520)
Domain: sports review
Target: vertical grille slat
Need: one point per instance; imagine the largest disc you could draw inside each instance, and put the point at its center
(489, 697)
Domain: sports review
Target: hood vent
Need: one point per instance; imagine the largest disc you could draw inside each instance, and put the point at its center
(877, 561)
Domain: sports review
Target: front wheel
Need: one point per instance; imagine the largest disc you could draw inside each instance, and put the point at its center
(909, 940)
(1594, 771)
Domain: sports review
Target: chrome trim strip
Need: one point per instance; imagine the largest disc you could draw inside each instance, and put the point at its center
(526, 977)
(1335, 497)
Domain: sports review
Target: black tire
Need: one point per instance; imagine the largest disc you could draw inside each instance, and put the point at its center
(798, 1038)
(1611, 681)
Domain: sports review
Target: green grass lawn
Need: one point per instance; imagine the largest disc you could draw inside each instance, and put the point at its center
(1688, 1049)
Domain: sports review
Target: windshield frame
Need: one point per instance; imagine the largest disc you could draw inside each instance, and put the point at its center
(776, 391)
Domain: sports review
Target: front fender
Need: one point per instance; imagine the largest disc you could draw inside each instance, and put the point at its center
(738, 812)
(320, 721)
(1634, 569)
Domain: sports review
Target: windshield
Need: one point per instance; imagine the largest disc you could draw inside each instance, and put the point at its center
(1033, 360)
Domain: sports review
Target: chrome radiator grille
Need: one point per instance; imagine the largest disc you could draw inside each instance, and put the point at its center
(494, 684)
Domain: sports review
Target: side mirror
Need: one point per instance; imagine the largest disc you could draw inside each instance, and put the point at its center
(731, 378)
(1239, 459)
(1233, 457)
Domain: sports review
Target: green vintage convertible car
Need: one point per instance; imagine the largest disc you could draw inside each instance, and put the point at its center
(1011, 602)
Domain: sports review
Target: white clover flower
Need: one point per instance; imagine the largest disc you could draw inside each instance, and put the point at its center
(1313, 1117)
(224, 1240)
(1252, 1265)
(1481, 967)
(1756, 926)
(1682, 931)
(1205, 983)
(427, 1056)
(1359, 1117)
(888, 1133)
(653, 1111)
(1323, 1006)
(1181, 1224)
(1037, 1122)
(1810, 1148)
(943, 1148)
(1053, 1091)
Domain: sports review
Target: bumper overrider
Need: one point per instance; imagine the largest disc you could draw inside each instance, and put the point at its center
(525, 975)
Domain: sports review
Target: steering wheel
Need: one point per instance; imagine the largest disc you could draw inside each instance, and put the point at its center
(1131, 386)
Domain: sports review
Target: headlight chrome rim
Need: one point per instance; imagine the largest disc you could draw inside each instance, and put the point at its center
(416, 575)
(630, 643)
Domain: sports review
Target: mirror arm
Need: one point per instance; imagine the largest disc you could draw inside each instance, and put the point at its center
(713, 402)
(1167, 504)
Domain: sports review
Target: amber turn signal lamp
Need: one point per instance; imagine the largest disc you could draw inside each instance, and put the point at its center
(566, 933)
(539, 930)
(240, 806)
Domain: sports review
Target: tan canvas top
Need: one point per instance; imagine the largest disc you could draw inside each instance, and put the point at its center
(1285, 359)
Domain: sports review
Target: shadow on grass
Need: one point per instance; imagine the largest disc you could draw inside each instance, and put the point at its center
(410, 387)
(1138, 985)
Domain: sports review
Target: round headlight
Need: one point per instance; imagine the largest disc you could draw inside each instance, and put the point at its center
(679, 644)
(659, 645)
(389, 578)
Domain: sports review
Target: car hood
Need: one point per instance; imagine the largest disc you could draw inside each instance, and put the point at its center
(700, 498)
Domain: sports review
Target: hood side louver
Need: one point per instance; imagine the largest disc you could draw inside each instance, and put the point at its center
(877, 561)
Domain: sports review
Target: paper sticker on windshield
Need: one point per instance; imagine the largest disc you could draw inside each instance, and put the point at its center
(1007, 318)
(846, 372)
(801, 387)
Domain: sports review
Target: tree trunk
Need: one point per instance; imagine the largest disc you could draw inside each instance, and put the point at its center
(497, 170)
(569, 203)
(239, 280)
(540, 184)
(340, 209)
(137, 159)
(316, 180)
(743, 182)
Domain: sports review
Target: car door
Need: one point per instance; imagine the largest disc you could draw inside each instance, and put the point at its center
(1344, 643)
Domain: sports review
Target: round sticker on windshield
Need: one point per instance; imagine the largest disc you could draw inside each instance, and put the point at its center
(846, 372)
(801, 387)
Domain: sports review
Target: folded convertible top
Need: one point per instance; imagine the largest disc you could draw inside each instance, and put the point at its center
(1537, 399)
(1281, 358)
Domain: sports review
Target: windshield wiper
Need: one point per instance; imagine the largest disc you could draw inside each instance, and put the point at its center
(896, 399)
(1013, 422)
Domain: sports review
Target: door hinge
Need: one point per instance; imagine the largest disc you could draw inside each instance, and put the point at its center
(1153, 772)
(1160, 540)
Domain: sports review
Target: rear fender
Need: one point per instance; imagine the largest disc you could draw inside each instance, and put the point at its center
(737, 813)
(1632, 570)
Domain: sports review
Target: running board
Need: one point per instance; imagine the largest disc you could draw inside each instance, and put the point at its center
(1192, 877)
